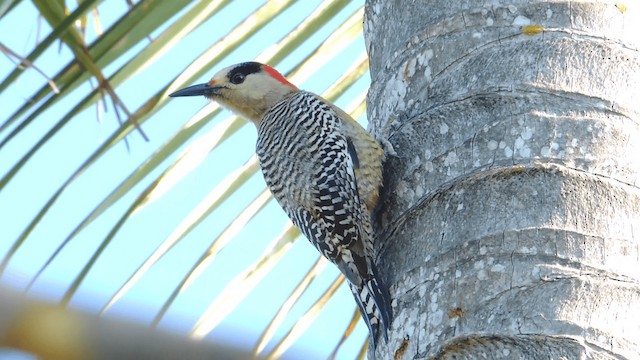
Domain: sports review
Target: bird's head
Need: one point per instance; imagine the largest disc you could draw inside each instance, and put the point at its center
(249, 89)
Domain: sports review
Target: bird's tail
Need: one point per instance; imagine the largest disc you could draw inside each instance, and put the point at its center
(374, 304)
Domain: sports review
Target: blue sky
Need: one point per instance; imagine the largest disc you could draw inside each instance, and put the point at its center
(27, 192)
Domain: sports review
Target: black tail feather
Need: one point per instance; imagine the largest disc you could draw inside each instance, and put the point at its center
(375, 306)
(381, 297)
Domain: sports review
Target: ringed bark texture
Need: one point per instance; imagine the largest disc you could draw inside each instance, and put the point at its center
(509, 224)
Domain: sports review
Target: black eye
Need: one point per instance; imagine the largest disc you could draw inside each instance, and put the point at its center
(237, 78)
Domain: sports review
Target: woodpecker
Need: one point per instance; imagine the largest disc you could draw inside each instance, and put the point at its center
(322, 167)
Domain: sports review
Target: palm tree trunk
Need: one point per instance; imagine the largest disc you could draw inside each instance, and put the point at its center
(507, 225)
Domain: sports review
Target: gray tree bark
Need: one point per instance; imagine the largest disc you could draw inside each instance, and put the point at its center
(508, 225)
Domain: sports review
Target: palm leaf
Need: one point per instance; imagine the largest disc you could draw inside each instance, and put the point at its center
(234, 39)
(134, 26)
(305, 321)
(205, 259)
(211, 202)
(347, 332)
(238, 288)
(292, 299)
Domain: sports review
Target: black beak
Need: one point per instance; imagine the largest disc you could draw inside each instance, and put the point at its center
(197, 90)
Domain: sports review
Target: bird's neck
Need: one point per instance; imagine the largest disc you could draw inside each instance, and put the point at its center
(255, 114)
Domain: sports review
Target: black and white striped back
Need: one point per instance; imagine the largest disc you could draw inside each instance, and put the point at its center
(309, 163)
